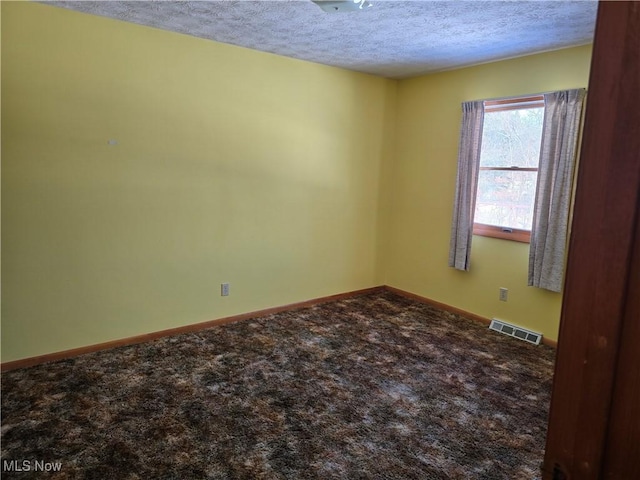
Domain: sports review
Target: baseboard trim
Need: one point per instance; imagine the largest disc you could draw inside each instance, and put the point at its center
(194, 327)
(441, 306)
(457, 311)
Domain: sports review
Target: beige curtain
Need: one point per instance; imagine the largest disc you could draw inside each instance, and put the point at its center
(466, 183)
(558, 150)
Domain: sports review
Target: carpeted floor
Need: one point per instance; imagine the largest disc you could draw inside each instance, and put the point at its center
(372, 387)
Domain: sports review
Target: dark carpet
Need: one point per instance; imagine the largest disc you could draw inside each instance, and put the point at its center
(371, 387)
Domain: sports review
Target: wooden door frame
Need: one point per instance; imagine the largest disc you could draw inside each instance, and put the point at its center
(598, 288)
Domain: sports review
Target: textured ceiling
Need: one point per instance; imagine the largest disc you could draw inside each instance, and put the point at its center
(394, 38)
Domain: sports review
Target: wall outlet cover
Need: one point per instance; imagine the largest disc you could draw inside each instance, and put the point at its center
(504, 294)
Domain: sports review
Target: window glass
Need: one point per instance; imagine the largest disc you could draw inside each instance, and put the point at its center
(509, 166)
(512, 138)
(505, 198)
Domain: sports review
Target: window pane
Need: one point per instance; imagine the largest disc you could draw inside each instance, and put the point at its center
(505, 198)
(512, 138)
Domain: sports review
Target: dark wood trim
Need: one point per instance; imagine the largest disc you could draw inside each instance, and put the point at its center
(505, 233)
(622, 455)
(455, 310)
(598, 286)
(195, 327)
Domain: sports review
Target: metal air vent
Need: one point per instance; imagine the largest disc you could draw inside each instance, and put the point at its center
(515, 331)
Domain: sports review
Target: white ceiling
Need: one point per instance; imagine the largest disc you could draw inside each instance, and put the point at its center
(394, 38)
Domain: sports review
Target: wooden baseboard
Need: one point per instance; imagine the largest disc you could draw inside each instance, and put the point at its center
(457, 311)
(195, 327)
(51, 357)
(441, 306)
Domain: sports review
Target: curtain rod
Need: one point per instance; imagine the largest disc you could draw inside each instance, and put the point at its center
(523, 95)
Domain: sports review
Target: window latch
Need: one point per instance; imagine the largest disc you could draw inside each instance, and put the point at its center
(507, 230)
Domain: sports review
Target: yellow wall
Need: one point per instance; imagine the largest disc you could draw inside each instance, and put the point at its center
(288, 179)
(423, 183)
(231, 166)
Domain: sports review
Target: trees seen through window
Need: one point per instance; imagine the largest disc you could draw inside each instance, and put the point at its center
(509, 168)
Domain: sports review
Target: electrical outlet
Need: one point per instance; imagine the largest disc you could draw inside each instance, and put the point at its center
(224, 289)
(504, 293)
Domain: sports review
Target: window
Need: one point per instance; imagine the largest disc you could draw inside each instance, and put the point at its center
(519, 166)
(508, 171)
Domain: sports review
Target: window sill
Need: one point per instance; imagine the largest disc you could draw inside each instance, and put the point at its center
(503, 233)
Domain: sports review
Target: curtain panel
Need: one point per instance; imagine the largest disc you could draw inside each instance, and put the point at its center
(560, 132)
(466, 184)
